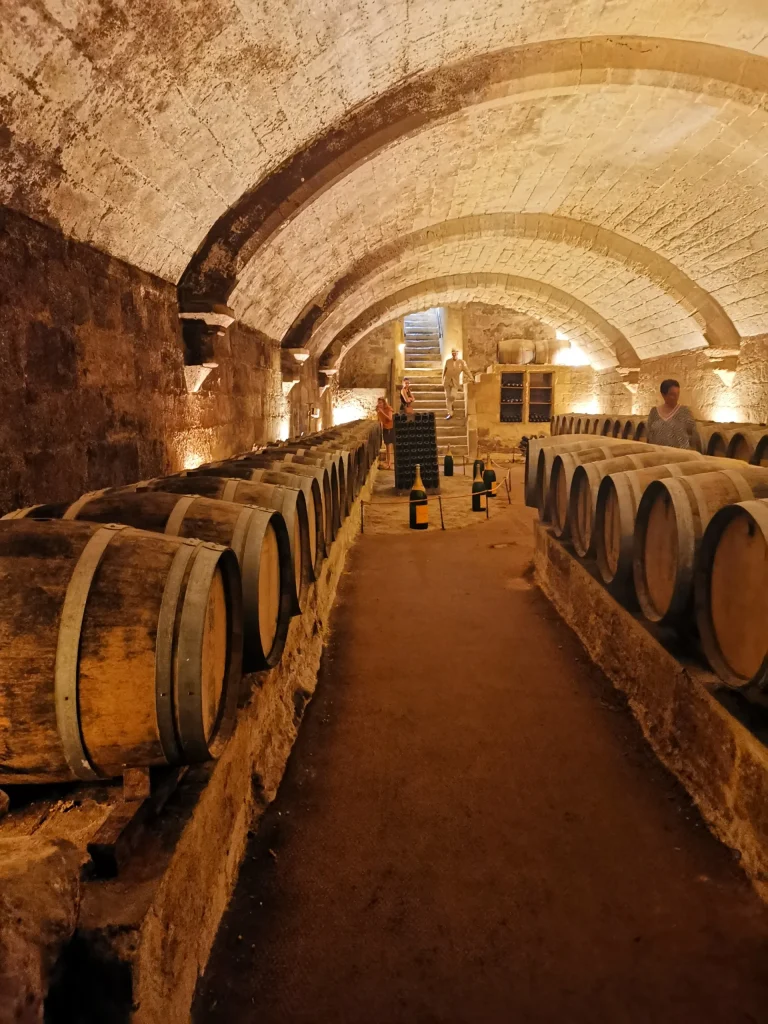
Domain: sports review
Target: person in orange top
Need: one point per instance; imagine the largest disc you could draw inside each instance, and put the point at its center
(385, 412)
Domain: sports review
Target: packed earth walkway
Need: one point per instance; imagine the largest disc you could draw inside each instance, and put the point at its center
(471, 827)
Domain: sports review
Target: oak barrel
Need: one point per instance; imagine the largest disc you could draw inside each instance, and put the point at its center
(557, 485)
(254, 470)
(582, 497)
(744, 444)
(118, 648)
(288, 500)
(731, 594)
(319, 455)
(613, 530)
(213, 484)
(538, 464)
(258, 537)
(535, 444)
(671, 518)
(324, 471)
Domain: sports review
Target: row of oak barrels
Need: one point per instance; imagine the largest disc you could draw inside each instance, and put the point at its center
(128, 617)
(679, 535)
(747, 442)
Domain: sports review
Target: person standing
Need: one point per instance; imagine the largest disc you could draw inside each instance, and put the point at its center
(406, 397)
(452, 378)
(385, 412)
(670, 423)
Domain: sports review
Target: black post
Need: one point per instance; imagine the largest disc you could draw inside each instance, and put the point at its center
(440, 503)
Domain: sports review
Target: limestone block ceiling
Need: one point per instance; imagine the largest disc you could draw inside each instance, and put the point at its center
(319, 166)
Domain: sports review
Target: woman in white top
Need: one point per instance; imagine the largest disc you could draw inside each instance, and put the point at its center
(670, 423)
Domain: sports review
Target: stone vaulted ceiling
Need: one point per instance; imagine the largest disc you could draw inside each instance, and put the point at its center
(321, 167)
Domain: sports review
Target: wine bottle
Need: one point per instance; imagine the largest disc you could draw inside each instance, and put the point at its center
(478, 487)
(418, 513)
(477, 465)
(448, 463)
(489, 478)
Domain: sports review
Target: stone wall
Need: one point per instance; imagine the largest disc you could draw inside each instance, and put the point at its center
(92, 384)
(485, 326)
(367, 364)
(707, 394)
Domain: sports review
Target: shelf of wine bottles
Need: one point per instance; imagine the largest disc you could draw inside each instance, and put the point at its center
(416, 443)
(511, 413)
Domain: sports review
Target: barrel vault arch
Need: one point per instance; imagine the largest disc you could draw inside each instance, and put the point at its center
(599, 339)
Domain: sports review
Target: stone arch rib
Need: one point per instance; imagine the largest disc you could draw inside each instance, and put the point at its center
(605, 345)
(411, 105)
(714, 322)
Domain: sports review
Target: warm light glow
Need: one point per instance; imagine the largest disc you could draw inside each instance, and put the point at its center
(728, 414)
(587, 408)
(283, 430)
(192, 461)
(571, 356)
(347, 413)
(727, 377)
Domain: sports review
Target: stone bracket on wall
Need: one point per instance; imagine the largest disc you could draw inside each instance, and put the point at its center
(724, 362)
(199, 329)
(630, 377)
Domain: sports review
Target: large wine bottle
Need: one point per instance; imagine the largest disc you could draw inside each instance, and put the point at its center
(478, 464)
(448, 463)
(418, 515)
(478, 488)
(489, 478)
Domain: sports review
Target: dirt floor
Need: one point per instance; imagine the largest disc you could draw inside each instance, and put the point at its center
(471, 828)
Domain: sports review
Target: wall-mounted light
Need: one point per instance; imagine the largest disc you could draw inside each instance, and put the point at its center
(301, 355)
(330, 371)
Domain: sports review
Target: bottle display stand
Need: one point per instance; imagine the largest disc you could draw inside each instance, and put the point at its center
(416, 442)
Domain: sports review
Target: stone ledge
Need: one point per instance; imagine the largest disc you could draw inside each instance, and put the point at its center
(707, 737)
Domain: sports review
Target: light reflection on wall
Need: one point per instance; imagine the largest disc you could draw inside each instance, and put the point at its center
(571, 356)
(346, 413)
(587, 408)
(193, 449)
(728, 414)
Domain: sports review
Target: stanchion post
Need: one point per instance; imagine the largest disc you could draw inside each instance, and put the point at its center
(362, 517)
(440, 503)
(487, 503)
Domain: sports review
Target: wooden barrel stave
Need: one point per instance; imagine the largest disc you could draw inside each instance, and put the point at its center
(82, 684)
(671, 519)
(618, 496)
(564, 463)
(731, 595)
(585, 483)
(269, 597)
(288, 500)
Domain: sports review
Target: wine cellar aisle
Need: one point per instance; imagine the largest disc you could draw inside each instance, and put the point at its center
(471, 827)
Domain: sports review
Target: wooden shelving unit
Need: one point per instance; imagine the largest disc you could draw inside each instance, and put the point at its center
(527, 396)
(512, 397)
(539, 396)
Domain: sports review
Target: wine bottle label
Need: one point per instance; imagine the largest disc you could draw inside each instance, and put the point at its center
(422, 514)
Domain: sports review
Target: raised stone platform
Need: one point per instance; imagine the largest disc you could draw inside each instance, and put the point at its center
(133, 948)
(708, 736)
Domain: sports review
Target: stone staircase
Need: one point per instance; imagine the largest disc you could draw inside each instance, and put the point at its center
(423, 365)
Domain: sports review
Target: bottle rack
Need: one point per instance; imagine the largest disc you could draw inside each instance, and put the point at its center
(526, 396)
(416, 442)
(512, 397)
